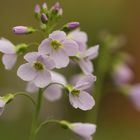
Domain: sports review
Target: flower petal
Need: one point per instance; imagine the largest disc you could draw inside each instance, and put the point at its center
(83, 101)
(31, 87)
(92, 52)
(9, 60)
(2, 105)
(86, 66)
(70, 47)
(45, 46)
(58, 78)
(6, 46)
(85, 82)
(26, 72)
(31, 57)
(58, 35)
(53, 92)
(42, 79)
(87, 128)
(60, 59)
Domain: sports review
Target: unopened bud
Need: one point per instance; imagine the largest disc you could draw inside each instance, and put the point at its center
(73, 25)
(37, 9)
(44, 18)
(56, 8)
(23, 30)
(44, 7)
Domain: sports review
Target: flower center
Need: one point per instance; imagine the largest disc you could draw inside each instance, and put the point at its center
(56, 44)
(75, 92)
(38, 65)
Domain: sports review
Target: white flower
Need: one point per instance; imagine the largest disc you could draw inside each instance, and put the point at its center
(2, 105)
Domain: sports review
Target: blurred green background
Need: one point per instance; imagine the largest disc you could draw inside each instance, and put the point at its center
(118, 118)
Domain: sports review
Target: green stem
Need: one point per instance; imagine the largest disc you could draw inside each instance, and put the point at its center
(36, 115)
(26, 95)
(46, 122)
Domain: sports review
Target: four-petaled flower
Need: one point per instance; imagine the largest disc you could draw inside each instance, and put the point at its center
(78, 97)
(37, 69)
(9, 57)
(85, 57)
(84, 130)
(54, 91)
(59, 48)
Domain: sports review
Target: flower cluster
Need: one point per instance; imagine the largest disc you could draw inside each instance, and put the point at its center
(54, 52)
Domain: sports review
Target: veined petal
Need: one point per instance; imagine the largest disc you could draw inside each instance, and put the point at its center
(92, 52)
(9, 60)
(60, 59)
(85, 82)
(53, 92)
(58, 35)
(70, 47)
(26, 72)
(86, 66)
(83, 101)
(42, 79)
(6, 46)
(45, 46)
(31, 57)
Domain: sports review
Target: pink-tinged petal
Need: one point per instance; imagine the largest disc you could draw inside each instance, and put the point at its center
(86, 66)
(26, 72)
(84, 130)
(31, 57)
(83, 101)
(58, 78)
(42, 79)
(122, 74)
(9, 60)
(53, 93)
(70, 47)
(85, 82)
(58, 35)
(6, 46)
(31, 87)
(92, 52)
(134, 95)
(60, 59)
(48, 62)
(78, 36)
(45, 46)
(2, 105)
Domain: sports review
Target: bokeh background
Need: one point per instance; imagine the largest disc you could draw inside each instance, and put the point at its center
(118, 118)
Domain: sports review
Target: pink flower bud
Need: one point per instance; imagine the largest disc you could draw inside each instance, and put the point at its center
(37, 9)
(73, 25)
(44, 18)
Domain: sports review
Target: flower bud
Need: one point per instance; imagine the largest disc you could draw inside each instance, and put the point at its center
(2, 105)
(73, 25)
(56, 8)
(70, 26)
(44, 18)
(44, 7)
(37, 9)
(23, 30)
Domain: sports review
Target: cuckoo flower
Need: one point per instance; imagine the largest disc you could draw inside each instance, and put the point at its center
(85, 58)
(84, 130)
(134, 94)
(81, 39)
(9, 57)
(59, 48)
(78, 97)
(122, 74)
(37, 69)
(54, 91)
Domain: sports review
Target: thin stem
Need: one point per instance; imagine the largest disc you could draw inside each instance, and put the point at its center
(36, 115)
(46, 122)
(26, 95)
